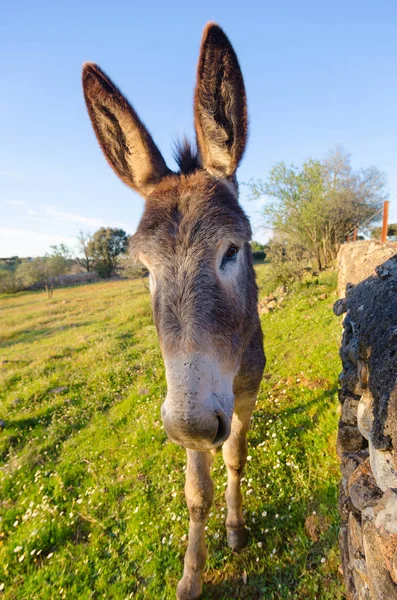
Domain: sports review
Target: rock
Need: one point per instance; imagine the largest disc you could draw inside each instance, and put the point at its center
(349, 288)
(58, 390)
(388, 268)
(363, 374)
(349, 411)
(380, 582)
(281, 291)
(394, 570)
(384, 467)
(345, 505)
(357, 261)
(362, 487)
(344, 395)
(340, 307)
(357, 562)
(365, 416)
(2, 424)
(348, 379)
(390, 423)
(355, 537)
(344, 550)
(315, 526)
(384, 430)
(143, 391)
(349, 439)
(271, 302)
(263, 310)
(360, 576)
(352, 350)
(385, 519)
(350, 461)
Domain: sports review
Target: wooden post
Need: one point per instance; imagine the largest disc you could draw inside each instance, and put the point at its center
(385, 220)
(355, 234)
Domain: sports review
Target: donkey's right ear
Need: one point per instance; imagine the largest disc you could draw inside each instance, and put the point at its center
(125, 141)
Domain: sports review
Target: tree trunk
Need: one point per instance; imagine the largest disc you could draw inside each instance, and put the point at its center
(320, 265)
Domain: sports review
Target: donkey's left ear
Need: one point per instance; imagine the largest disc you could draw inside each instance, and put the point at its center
(220, 105)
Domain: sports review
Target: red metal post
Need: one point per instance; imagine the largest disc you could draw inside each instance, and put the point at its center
(385, 220)
(355, 234)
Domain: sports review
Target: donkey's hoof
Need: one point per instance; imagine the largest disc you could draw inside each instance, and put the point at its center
(237, 538)
(189, 589)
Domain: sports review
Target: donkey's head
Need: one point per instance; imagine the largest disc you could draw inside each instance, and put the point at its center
(193, 237)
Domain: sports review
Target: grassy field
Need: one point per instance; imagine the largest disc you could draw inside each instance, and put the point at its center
(91, 490)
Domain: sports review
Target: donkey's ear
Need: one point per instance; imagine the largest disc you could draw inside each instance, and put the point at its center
(220, 106)
(125, 141)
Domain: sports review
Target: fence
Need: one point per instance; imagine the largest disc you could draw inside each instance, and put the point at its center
(352, 235)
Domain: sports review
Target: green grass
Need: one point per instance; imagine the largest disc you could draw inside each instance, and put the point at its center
(91, 490)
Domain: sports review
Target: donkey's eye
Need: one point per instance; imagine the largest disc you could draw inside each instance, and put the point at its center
(230, 255)
(231, 252)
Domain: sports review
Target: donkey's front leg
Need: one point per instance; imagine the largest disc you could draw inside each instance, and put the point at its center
(235, 456)
(199, 491)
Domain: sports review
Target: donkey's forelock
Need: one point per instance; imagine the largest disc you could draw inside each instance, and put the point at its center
(186, 156)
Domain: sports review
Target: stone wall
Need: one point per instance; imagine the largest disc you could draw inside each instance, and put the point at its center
(367, 434)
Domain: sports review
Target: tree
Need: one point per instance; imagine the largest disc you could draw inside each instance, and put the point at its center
(295, 212)
(42, 270)
(354, 197)
(8, 282)
(104, 247)
(62, 250)
(83, 240)
(258, 251)
(314, 207)
(391, 231)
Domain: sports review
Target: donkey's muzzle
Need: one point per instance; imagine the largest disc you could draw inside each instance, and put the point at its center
(198, 409)
(200, 432)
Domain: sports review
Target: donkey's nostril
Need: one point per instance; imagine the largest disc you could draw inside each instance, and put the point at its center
(223, 430)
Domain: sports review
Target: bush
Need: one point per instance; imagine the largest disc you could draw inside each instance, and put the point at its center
(9, 283)
(288, 262)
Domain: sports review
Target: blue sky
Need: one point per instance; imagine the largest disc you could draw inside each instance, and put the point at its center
(317, 74)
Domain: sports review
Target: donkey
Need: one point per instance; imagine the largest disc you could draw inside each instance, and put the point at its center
(194, 239)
